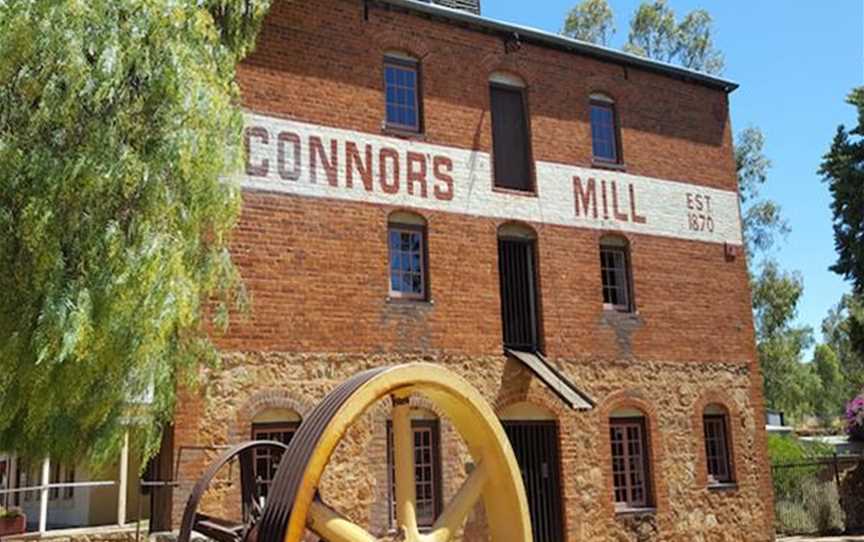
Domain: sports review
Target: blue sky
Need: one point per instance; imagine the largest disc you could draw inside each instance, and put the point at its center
(795, 61)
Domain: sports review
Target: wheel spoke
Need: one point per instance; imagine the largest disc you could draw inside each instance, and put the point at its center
(218, 529)
(403, 462)
(333, 526)
(248, 487)
(453, 516)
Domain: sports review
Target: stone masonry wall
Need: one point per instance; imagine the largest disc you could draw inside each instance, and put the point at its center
(671, 394)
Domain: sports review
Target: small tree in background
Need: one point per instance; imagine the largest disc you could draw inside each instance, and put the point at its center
(591, 21)
(655, 32)
(119, 132)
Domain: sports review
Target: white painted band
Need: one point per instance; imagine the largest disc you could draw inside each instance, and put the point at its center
(318, 161)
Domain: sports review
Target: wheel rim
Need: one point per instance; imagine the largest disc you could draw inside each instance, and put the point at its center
(221, 529)
(294, 505)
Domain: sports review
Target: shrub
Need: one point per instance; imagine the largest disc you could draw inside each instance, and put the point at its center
(793, 518)
(12, 512)
(855, 418)
(822, 502)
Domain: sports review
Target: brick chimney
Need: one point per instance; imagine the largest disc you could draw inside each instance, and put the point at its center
(472, 6)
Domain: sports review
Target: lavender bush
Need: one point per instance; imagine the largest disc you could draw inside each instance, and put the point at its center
(855, 418)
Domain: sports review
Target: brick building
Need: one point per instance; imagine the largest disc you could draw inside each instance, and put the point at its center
(556, 222)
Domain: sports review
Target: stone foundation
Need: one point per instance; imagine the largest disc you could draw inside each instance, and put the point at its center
(672, 395)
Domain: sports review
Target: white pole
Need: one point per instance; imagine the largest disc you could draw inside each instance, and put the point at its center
(124, 480)
(43, 495)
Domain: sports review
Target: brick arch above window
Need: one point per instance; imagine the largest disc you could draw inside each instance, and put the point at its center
(262, 401)
(401, 42)
(499, 62)
(716, 402)
(404, 216)
(517, 230)
(628, 402)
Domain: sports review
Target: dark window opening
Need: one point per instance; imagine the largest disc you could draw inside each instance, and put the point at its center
(511, 148)
(604, 132)
(717, 449)
(266, 459)
(535, 444)
(630, 468)
(427, 471)
(402, 94)
(519, 314)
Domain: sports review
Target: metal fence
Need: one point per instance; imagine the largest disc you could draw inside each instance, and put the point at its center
(822, 495)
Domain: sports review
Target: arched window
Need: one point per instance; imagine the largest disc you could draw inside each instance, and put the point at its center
(277, 424)
(408, 254)
(718, 449)
(402, 92)
(604, 129)
(615, 274)
(631, 468)
(511, 141)
(427, 467)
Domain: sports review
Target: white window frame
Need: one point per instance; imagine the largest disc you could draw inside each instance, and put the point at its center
(410, 229)
(622, 271)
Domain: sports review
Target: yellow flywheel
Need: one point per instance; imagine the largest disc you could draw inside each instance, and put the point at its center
(294, 506)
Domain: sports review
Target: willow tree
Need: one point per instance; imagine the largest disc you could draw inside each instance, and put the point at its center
(119, 132)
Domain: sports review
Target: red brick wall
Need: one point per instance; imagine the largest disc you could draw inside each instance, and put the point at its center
(317, 269)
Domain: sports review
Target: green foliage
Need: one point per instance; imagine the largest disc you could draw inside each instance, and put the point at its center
(784, 449)
(830, 401)
(790, 385)
(843, 169)
(656, 33)
(591, 21)
(763, 222)
(12, 512)
(119, 132)
(806, 497)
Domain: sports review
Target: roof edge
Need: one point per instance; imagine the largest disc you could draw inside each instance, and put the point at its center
(563, 42)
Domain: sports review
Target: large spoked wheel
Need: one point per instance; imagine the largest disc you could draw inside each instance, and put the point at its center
(222, 529)
(294, 504)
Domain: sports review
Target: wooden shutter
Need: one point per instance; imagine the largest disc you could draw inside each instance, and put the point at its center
(510, 143)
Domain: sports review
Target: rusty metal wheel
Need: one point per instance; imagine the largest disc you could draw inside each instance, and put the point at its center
(294, 505)
(221, 529)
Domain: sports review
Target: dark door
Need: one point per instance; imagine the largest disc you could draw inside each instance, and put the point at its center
(518, 294)
(535, 444)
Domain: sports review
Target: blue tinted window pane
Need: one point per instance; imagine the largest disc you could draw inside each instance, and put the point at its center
(400, 96)
(603, 132)
(392, 113)
(395, 281)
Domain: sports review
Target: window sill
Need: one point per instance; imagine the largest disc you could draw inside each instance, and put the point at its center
(514, 191)
(403, 133)
(724, 486)
(409, 301)
(602, 164)
(647, 511)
